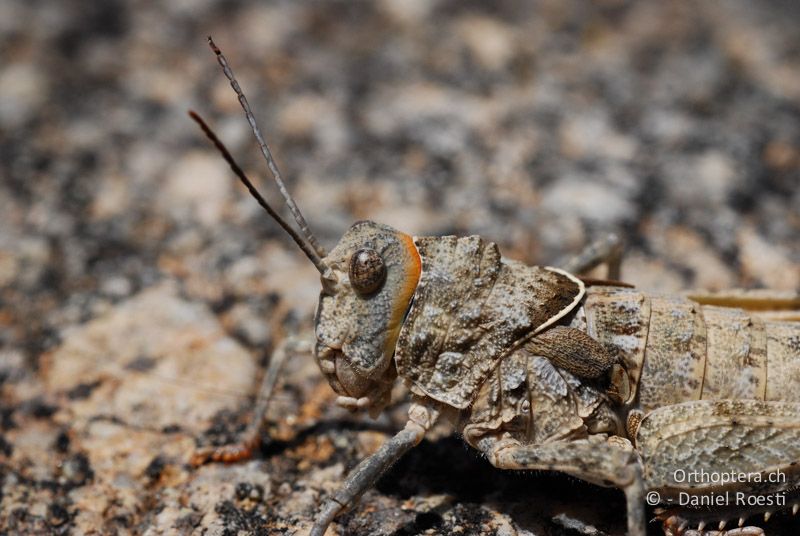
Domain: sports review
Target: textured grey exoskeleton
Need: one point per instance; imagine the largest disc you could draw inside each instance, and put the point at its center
(540, 369)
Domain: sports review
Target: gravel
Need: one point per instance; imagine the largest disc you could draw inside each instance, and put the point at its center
(142, 290)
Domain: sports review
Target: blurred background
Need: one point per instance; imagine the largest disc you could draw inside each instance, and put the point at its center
(538, 125)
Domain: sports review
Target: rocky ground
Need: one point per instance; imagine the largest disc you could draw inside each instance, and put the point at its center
(142, 290)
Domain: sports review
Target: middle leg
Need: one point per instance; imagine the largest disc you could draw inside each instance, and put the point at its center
(598, 462)
(249, 441)
(605, 250)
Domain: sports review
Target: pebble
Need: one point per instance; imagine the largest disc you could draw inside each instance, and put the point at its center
(197, 188)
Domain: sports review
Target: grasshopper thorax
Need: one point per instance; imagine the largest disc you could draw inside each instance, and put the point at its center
(374, 271)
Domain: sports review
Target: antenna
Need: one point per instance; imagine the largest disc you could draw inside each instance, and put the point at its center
(276, 174)
(310, 253)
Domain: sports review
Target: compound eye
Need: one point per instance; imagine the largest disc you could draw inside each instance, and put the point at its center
(367, 271)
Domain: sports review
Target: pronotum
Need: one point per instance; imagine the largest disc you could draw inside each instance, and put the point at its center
(666, 397)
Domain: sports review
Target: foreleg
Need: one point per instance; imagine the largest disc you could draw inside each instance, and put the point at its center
(364, 476)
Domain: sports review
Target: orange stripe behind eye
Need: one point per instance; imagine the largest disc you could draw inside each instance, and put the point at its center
(412, 268)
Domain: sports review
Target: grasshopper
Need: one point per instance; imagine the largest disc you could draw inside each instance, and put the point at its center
(539, 368)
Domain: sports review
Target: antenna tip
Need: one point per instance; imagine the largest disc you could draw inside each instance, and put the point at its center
(213, 46)
(197, 119)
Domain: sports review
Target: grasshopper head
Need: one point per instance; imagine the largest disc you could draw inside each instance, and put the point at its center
(368, 281)
(374, 271)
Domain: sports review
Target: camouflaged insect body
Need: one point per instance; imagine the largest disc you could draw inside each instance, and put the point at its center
(607, 383)
(447, 322)
(470, 309)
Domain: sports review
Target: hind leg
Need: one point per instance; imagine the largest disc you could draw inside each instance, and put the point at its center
(768, 304)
